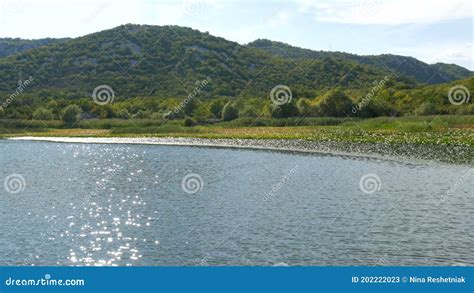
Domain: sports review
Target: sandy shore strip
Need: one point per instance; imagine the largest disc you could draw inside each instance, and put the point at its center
(412, 153)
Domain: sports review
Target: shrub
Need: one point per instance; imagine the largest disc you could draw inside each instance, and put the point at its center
(42, 114)
(304, 107)
(123, 114)
(249, 111)
(230, 112)
(189, 122)
(283, 111)
(216, 108)
(189, 105)
(463, 110)
(335, 104)
(71, 114)
(103, 112)
(426, 108)
(142, 115)
(157, 116)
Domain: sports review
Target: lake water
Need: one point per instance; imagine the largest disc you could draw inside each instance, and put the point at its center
(97, 204)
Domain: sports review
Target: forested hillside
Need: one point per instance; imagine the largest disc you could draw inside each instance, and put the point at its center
(177, 72)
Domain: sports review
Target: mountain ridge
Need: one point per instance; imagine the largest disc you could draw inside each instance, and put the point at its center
(11, 46)
(144, 60)
(434, 73)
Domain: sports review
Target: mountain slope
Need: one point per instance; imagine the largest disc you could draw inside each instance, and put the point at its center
(399, 65)
(10, 46)
(452, 71)
(167, 61)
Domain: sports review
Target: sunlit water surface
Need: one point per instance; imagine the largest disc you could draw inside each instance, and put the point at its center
(92, 204)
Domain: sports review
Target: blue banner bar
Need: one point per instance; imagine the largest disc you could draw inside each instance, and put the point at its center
(237, 279)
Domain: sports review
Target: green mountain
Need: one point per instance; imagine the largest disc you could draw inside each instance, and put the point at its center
(167, 61)
(452, 71)
(399, 65)
(9, 46)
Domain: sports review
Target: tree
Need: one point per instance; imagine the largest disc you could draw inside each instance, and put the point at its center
(283, 111)
(42, 114)
(249, 111)
(103, 112)
(463, 110)
(71, 114)
(142, 115)
(230, 112)
(427, 108)
(304, 107)
(335, 104)
(190, 104)
(371, 106)
(276, 111)
(202, 113)
(216, 108)
(123, 114)
(188, 122)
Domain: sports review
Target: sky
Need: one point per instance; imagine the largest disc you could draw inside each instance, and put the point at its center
(429, 30)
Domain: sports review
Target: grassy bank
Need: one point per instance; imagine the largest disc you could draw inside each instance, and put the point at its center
(450, 130)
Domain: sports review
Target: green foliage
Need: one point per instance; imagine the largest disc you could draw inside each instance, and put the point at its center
(249, 111)
(216, 107)
(400, 65)
(188, 122)
(123, 114)
(427, 108)
(283, 122)
(157, 116)
(10, 46)
(334, 104)
(189, 105)
(42, 114)
(466, 110)
(283, 111)
(73, 68)
(304, 108)
(102, 112)
(202, 113)
(71, 115)
(230, 112)
(142, 114)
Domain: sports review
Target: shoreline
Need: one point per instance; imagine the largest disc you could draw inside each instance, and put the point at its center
(382, 151)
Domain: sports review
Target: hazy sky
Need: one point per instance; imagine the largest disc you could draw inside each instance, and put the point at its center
(430, 30)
